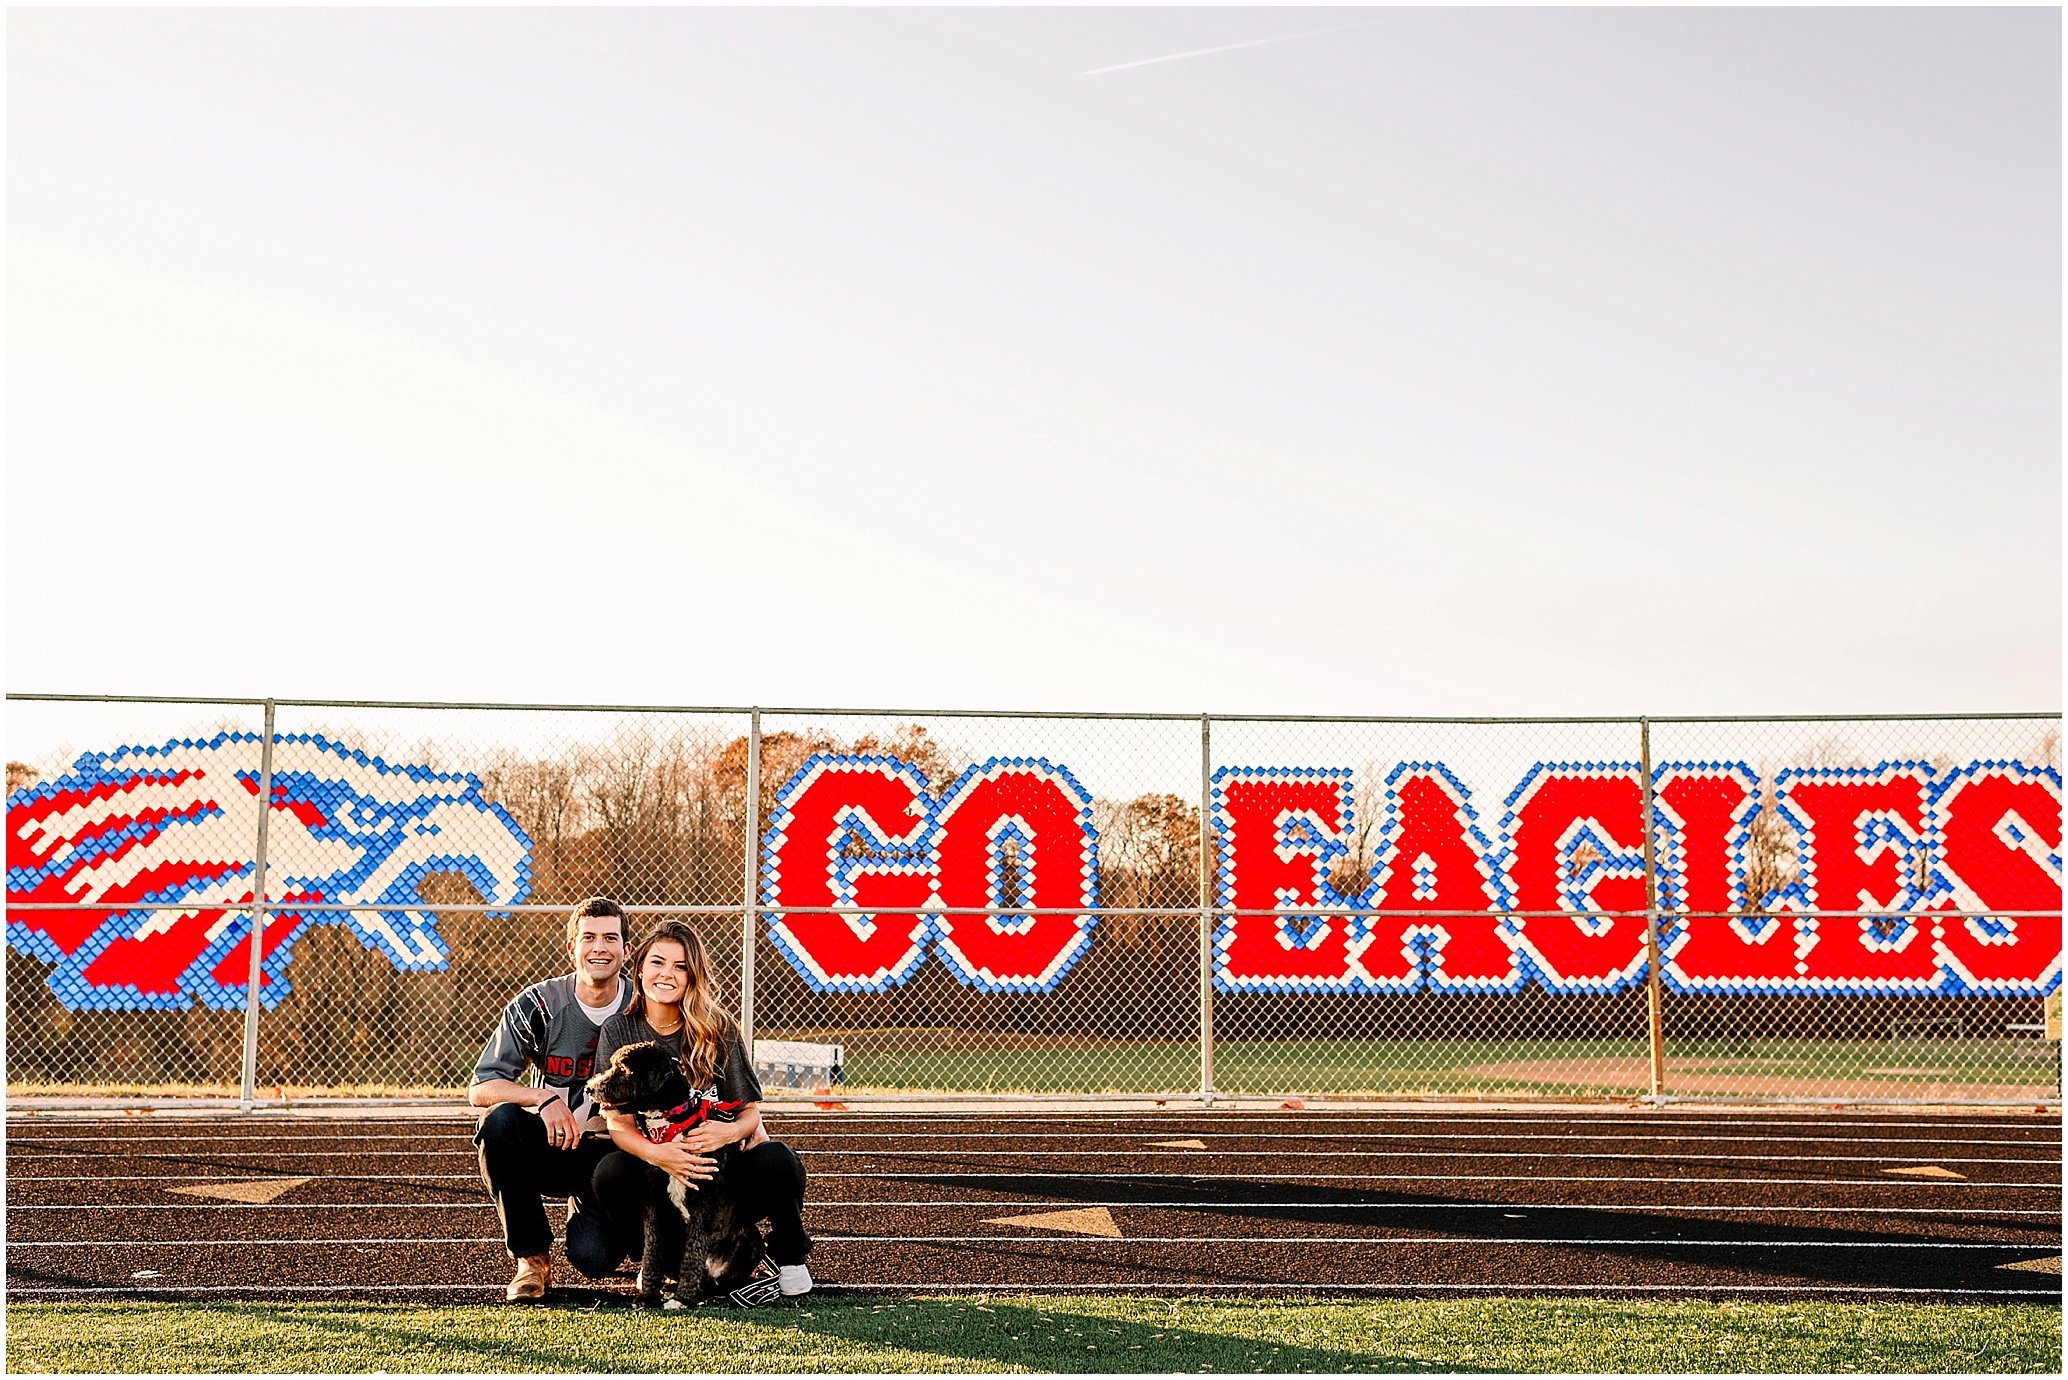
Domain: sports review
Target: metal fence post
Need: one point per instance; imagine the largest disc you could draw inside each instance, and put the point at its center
(258, 917)
(751, 882)
(1206, 913)
(1652, 989)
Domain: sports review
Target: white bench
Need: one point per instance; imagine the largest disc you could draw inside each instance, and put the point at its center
(798, 1064)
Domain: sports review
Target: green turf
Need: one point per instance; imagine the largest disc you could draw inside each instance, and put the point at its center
(1460, 1067)
(1021, 1333)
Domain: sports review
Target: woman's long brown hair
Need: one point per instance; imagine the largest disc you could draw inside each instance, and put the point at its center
(705, 1023)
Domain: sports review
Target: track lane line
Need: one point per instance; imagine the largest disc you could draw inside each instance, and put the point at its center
(1192, 1204)
(2015, 1247)
(1147, 1153)
(2011, 1246)
(1421, 1136)
(1337, 1116)
(207, 1141)
(283, 1241)
(270, 1207)
(1417, 1206)
(1198, 1288)
(1152, 1152)
(1045, 1203)
(1223, 1152)
(1115, 1175)
(1584, 1118)
(242, 1288)
(1424, 1178)
(264, 1177)
(129, 1154)
(1216, 1152)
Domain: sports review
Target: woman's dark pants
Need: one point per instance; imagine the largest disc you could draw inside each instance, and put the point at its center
(520, 1168)
(769, 1180)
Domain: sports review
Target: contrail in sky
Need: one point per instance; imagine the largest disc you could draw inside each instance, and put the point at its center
(1228, 47)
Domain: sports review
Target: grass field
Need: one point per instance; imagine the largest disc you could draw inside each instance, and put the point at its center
(1472, 1067)
(1022, 1333)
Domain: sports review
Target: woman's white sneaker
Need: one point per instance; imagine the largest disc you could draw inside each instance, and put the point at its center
(796, 1279)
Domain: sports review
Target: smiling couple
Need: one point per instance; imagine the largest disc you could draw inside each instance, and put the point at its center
(547, 1137)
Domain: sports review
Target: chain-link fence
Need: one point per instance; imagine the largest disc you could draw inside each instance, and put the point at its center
(1065, 905)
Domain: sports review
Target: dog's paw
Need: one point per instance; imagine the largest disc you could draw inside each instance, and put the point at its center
(674, 1304)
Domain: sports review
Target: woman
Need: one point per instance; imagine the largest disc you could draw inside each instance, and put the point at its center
(675, 1006)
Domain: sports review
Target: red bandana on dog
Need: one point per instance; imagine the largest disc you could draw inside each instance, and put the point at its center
(662, 1127)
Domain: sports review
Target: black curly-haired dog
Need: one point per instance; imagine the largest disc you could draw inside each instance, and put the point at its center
(701, 1235)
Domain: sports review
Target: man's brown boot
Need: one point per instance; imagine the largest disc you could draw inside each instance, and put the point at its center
(534, 1273)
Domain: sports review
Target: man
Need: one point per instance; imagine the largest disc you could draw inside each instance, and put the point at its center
(546, 1139)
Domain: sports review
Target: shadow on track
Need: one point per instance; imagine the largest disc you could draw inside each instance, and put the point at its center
(1656, 1235)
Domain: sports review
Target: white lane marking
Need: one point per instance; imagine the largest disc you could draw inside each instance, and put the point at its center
(1196, 1286)
(129, 1127)
(225, 1178)
(1167, 1147)
(201, 1141)
(1440, 1155)
(1079, 1234)
(795, 1136)
(1018, 1154)
(245, 1154)
(811, 1127)
(329, 1207)
(1186, 1286)
(1189, 1120)
(1424, 1205)
(1097, 1175)
(235, 1288)
(1218, 1118)
(1436, 1241)
(289, 1241)
(1412, 1178)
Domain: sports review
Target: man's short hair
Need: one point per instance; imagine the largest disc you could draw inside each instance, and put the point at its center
(589, 910)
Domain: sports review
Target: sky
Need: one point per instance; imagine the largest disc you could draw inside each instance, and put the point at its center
(1441, 361)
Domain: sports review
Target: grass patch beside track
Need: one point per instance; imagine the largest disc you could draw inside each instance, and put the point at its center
(1536, 1068)
(1046, 1333)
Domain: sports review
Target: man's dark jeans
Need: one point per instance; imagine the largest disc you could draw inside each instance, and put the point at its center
(520, 1168)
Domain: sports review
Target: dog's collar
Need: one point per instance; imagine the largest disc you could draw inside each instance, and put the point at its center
(688, 1116)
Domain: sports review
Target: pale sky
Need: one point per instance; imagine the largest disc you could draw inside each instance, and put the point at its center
(1476, 361)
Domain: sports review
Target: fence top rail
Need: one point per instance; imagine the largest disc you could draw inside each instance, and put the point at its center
(1123, 715)
(1847, 718)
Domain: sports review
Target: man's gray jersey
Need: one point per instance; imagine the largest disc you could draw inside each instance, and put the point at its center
(544, 1027)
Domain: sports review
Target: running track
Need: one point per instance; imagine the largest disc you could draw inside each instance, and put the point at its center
(1440, 1203)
